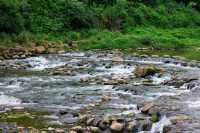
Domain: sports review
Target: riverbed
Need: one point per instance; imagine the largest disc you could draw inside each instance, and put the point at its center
(57, 84)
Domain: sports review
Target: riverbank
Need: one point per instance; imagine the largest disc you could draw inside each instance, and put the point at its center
(182, 42)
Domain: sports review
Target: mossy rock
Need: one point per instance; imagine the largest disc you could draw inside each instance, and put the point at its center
(146, 70)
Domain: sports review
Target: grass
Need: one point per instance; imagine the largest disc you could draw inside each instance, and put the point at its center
(26, 118)
(176, 41)
(158, 38)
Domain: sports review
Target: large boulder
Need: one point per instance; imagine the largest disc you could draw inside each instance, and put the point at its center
(146, 70)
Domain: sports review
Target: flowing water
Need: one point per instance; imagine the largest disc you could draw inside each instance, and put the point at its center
(56, 93)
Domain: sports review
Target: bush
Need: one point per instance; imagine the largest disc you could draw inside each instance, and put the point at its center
(147, 41)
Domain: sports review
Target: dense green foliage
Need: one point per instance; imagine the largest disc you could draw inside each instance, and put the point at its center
(44, 16)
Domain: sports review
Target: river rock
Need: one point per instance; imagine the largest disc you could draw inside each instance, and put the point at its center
(77, 128)
(145, 109)
(51, 50)
(116, 126)
(179, 81)
(39, 49)
(104, 123)
(73, 132)
(105, 98)
(94, 129)
(89, 121)
(60, 131)
(146, 70)
(117, 59)
(131, 126)
(179, 117)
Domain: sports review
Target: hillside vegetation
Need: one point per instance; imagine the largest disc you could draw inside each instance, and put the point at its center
(105, 24)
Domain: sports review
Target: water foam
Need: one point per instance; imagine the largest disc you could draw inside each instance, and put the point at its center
(41, 63)
(9, 100)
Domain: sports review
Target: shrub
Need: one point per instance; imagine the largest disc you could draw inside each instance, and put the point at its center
(147, 41)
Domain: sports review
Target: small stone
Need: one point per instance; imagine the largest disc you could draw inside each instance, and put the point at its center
(145, 109)
(180, 117)
(60, 131)
(117, 59)
(51, 129)
(77, 128)
(94, 129)
(131, 125)
(105, 98)
(61, 52)
(89, 121)
(104, 123)
(116, 126)
(72, 132)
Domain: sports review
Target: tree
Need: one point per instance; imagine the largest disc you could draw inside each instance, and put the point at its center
(11, 20)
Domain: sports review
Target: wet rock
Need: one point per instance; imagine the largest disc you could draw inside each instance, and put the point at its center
(96, 121)
(117, 126)
(73, 132)
(145, 109)
(69, 118)
(145, 125)
(63, 70)
(180, 117)
(105, 98)
(179, 81)
(146, 70)
(148, 82)
(89, 121)
(132, 126)
(94, 129)
(104, 124)
(77, 128)
(60, 131)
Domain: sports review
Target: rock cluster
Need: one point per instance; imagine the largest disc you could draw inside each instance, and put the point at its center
(20, 52)
(14, 53)
(64, 70)
(113, 125)
(111, 80)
